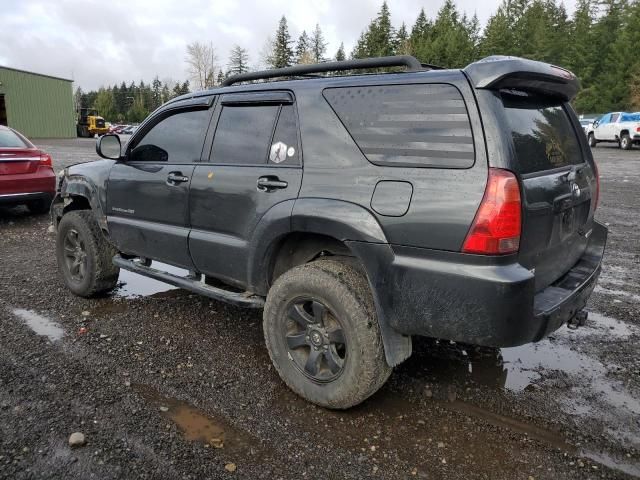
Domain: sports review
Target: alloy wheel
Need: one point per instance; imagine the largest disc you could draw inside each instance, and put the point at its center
(75, 255)
(315, 340)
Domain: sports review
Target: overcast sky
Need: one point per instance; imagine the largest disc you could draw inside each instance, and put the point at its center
(100, 43)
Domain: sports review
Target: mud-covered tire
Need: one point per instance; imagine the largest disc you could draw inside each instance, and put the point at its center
(344, 292)
(592, 140)
(99, 275)
(625, 142)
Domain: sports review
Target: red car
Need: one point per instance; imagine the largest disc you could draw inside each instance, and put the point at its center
(26, 173)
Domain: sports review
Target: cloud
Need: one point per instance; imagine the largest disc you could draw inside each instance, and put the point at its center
(99, 44)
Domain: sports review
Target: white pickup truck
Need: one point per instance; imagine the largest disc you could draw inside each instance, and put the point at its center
(620, 127)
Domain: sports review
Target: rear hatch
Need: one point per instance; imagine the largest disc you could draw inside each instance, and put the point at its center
(558, 183)
(532, 131)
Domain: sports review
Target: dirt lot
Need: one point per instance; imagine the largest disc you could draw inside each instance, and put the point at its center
(168, 385)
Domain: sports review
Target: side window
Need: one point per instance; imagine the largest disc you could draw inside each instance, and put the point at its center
(420, 125)
(284, 146)
(604, 120)
(175, 139)
(243, 134)
(614, 117)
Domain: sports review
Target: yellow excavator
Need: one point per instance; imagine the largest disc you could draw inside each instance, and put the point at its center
(89, 123)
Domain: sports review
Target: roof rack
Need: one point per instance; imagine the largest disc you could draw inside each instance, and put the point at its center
(408, 61)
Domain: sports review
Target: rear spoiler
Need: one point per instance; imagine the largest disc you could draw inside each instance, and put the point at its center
(498, 72)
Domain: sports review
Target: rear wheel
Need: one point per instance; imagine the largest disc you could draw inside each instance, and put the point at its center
(625, 142)
(592, 140)
(322, 334)
(84, 255)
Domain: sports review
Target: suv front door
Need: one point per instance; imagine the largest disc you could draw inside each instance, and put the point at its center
(148, 192)
(254, 163)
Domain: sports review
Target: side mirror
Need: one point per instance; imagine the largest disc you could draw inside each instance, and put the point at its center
(109, 147)
(595, 124)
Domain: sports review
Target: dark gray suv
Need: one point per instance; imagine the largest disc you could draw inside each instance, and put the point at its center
(358, 210)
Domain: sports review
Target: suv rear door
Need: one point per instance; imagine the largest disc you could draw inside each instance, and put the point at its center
(254, 163)
(558, 181)
(148, 192)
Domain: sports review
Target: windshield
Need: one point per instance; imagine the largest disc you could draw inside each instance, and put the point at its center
(542, 133)
(10, 139)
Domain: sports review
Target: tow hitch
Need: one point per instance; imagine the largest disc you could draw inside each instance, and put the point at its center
(578, 320)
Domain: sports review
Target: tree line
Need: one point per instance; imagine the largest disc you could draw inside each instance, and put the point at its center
(596, 42)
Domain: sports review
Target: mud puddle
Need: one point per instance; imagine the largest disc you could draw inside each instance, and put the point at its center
(40, 324)
(198, 426)
(565, 368)
(132, 285)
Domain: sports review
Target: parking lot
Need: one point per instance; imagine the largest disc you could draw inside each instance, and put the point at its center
(166, 384)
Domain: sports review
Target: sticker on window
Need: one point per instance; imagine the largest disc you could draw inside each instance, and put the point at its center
(278, 152)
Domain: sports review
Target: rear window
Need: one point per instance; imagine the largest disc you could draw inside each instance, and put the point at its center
(9, 139)
(421, 125)
(542, 133)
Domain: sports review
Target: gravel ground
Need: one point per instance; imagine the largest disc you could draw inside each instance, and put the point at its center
(164, 384)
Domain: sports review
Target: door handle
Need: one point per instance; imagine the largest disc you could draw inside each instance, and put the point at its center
(176, 177)
(271, 183)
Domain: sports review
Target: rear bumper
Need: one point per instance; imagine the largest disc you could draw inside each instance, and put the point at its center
(20, 198)
(43, 180)
(475, 299)
(22, 188)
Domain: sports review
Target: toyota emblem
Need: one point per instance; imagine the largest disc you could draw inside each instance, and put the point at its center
(575, 189)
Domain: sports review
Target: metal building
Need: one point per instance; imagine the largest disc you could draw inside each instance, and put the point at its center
(39, 106)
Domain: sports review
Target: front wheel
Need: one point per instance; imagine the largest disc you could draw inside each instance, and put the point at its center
(625, 142)
(592, 140)
(84, 255)
(322, 334)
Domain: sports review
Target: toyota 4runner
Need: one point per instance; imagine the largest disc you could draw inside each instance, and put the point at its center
(357, 210)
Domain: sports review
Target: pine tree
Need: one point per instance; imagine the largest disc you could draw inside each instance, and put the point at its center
(382, 34)
(402, 45)
(634, 89)
(282, 54)
(361, 48)
(137, 112)
(580, 54)
(105, 104)
(238, 61)
(303, 47)
(627, 65)
(451, 45)
(340, 56)
(221, 78)
(420, 37)
(156, 98)
(498, 37)
(165, 93)
(378, 39)
(610, 90)
(318, 46)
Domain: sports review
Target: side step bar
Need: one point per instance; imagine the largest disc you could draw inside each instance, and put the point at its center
(244, 299)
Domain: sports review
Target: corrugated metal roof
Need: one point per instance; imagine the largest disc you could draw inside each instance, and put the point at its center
(35, 73)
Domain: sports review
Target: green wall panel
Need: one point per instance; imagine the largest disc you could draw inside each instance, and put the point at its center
(37, 105)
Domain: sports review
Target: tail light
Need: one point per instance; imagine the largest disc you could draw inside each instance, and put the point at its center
(597, 175)
(45, 160)
(637, 129)
(498, 221)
